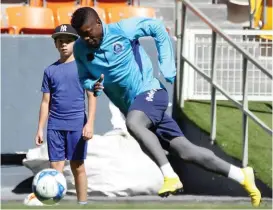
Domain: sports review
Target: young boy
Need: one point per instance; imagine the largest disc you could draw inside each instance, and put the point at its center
(63, 103)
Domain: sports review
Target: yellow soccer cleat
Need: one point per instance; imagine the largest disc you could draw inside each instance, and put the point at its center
(250, 186)
(171, 186)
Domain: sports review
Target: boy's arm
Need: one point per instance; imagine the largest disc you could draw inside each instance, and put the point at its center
(44, 109)
(136, 27)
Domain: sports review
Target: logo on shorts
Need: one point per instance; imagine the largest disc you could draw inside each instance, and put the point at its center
(150, 96)
(118, 47)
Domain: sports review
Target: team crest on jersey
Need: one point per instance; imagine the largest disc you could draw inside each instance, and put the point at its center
(118, 47)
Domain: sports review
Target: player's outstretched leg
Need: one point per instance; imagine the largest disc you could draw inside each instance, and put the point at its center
(208, 160)
(138, 125)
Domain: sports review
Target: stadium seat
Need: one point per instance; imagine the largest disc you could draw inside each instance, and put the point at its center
(30, 20)
(260, 12)
(64, 14)
(36, 3)
(109, 3)
(86, 3)
(56, 4)
(115, 14)
(4, 27)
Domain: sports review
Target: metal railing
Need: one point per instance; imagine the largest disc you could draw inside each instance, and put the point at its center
(228, 64)
(181, 8)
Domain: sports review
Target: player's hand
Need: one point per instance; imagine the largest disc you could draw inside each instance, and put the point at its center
(98, 87)
(39, 138)
(87, 131)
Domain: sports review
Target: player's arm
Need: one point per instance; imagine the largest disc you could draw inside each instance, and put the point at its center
(44, 110)
(88, 130)
(89, 85)
(135, 28)
(86, 80)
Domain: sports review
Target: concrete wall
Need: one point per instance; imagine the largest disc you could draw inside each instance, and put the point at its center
(24, 59)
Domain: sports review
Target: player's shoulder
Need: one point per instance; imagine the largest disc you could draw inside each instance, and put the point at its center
(132, 21)
(79, 45)
(80, 49)
(114, 28)
(129, 25)
(121, 27)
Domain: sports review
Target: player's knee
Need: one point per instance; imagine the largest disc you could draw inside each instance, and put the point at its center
(184, 148)
(77, 166)
(187, 156)
(131, 125)
(136, 121)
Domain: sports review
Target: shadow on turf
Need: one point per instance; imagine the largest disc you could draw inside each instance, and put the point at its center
(24, 187)
(269, 105)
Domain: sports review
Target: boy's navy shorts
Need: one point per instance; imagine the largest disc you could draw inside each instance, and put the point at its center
(154, 104)
(66, 145)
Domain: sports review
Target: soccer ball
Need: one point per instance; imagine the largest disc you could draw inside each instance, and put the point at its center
(49, 186)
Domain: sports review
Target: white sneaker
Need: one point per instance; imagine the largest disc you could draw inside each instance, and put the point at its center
(31, 200)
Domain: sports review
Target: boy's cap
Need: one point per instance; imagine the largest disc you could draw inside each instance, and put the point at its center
(64, 29)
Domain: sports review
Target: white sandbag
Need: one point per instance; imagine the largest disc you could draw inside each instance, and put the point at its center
(37, 159)
(115, 166)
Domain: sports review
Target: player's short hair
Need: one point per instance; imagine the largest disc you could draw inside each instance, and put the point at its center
(81, 15)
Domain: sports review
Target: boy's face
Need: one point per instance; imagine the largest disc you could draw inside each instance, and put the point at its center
(64, 44)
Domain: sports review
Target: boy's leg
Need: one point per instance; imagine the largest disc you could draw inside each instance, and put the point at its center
(144, 114)
(76, 153)
(181, 146)
(56, 149)
(58, 165)
(78, 170)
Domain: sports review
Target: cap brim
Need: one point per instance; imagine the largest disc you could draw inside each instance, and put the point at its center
(63, 33)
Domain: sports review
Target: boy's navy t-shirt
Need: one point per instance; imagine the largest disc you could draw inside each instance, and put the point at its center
(67, 100)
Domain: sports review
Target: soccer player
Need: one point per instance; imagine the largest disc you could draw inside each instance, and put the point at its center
(110, 58)
(63, 103)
